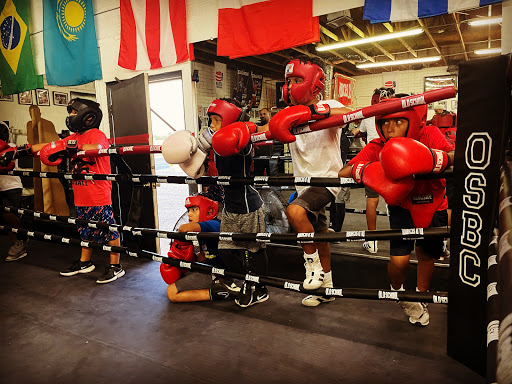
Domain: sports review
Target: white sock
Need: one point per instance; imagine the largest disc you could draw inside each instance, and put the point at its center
(313, 256)
(400, 289)
(327, 280)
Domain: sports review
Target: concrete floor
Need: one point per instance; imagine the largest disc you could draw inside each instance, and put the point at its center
(72, 330)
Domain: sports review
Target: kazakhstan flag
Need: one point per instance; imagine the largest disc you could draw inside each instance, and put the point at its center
(17, 72)
(70, 47)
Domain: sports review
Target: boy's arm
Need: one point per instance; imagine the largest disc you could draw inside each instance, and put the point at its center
(190, 227)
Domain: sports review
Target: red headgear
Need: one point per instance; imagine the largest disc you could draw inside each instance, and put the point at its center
(417, 117)
(313, 84)
(208, 209)
(229, 113)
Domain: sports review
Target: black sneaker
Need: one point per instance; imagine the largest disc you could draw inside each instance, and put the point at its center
(78, 267)
(251, 294)
(111, 273)
(221, 290)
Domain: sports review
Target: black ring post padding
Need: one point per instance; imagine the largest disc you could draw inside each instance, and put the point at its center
(504, 368)
(493, 312)
(264, 237)
(354, 293)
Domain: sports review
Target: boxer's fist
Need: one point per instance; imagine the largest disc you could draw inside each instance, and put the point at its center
(282, 123)
(373, 176)
(403, 156)
(169, 273)
(53, 153)
(232, 138)
(182, 250)
(7, 157)
(179, 147)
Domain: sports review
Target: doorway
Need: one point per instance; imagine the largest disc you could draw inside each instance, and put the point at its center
(167, 117)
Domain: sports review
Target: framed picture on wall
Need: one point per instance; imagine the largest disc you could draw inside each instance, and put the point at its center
(60, 98)
(5, 97)
(42, 97)
(25, 98)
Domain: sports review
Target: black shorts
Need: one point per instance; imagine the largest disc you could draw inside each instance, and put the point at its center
(401, 218)
(191, 281)
(370, 193)
(450, 191)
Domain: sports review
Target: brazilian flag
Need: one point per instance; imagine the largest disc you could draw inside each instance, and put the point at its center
(70, 45)
(17, 71)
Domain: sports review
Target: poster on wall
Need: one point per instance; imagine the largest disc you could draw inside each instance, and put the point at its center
(256, 86)
(390, 80)
(280, 103)
(344, 89)
(242, 85)
(220, 80)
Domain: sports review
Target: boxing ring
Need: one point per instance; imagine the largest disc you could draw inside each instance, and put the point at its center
(478, 334)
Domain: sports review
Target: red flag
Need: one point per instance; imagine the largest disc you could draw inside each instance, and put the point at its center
(153, 34)
(252, 27)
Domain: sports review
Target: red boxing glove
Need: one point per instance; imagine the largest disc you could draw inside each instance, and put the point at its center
(282, 123)
(423, 202)
(372, 175)
(54, 152)
(403, 156)
(182, 250)
(169, 273)
(232, 138)
(7, 157)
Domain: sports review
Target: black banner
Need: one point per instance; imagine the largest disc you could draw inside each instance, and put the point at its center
(484, 98)
(242, 87)
(256, 86)
(279, 95)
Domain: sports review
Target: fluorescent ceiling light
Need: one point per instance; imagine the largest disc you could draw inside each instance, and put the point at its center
(372, 39)
(487, 51)
(400, 62)
(486, 21)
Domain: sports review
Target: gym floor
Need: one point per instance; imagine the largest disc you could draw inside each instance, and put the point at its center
(70, 329)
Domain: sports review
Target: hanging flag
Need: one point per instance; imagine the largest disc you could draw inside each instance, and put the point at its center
(17, 71)
(249, 27)
(381, 11)
(70, 46)
(153, 34)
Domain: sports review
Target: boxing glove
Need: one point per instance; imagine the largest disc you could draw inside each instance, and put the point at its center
(232, 138)
(179, 147)
(53, 153)
(423, 201)
(204, 141)
(169, 273)
(402, 157)
(3, 145)
(372, 175)
(282, 123)
(182, 250)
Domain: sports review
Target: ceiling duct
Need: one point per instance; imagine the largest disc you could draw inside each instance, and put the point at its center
(338, 19)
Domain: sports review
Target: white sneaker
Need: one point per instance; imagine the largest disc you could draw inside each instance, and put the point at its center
(314, 273)
(371, 246)
(16, 251)
(417, 312)
(313, 300)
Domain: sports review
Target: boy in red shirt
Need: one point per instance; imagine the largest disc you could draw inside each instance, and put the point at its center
(93, 199)
(407, 147)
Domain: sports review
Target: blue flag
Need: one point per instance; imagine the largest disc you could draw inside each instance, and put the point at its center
(381, 11)
(70, 47)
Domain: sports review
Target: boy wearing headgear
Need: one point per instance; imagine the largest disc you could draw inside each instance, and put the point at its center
(229, 134)
(407, 147)
(314, 154)
(92, 198)
(193, 286)
(368, 127)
